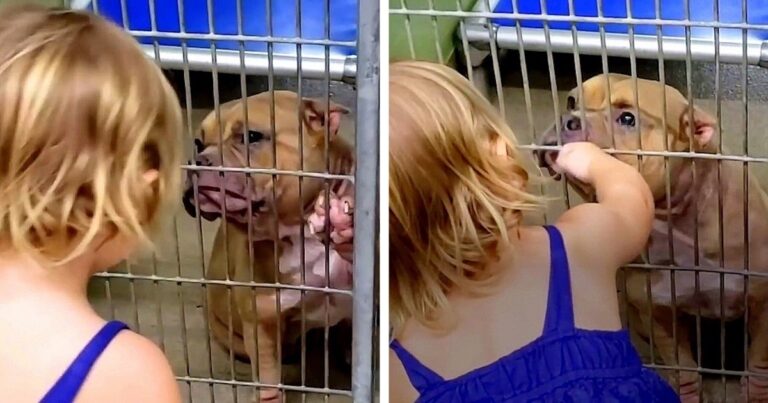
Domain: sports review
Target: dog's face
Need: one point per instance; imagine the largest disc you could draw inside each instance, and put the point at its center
(227, 141)
(609, 114)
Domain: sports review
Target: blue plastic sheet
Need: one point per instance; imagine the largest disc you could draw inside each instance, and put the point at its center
(342, 21)
(700, 10)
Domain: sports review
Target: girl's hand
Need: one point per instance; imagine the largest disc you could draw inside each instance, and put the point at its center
(577, 159)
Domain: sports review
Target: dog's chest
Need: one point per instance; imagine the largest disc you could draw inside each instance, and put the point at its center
(336, 274)
(714, 293)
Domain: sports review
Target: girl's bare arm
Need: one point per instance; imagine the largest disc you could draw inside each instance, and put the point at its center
(616, 228)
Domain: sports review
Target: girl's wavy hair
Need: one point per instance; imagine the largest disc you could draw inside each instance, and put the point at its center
(457, 189)
(83, 115)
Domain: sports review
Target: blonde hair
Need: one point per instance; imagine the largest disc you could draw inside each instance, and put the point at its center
(457, 186)
(83, 116)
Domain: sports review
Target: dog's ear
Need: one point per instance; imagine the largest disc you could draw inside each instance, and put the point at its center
(235, 128)
(704, 126)
(314, 115)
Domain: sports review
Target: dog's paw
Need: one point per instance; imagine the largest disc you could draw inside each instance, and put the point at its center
(756, 388)
(340, 217)
(268, 395)
(689, 388)
(689, 397)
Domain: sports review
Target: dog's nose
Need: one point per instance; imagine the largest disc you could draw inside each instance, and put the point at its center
(258, 205)
(203, 160)
(573, 124)
(199, 146)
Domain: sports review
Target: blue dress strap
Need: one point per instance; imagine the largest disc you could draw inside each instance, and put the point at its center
(69, 384)
(559, 316)
(421, 377)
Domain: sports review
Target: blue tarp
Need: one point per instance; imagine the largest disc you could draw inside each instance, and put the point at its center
(700, 10)
(343, 22)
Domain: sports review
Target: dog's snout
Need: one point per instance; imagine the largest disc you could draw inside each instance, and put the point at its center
(258, 205)
(203, 160)
(199, 146)
(573, 124)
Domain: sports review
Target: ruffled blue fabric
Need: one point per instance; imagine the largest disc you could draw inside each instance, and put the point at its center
(564, 364)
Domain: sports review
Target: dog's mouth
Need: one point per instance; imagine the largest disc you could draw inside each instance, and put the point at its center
(547, 160)
(213, 203)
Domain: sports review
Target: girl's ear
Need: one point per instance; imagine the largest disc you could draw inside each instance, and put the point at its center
(499, 146)
(151, 176)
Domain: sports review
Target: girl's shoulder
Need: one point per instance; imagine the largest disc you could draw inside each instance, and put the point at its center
(596, 239)
(134, 368)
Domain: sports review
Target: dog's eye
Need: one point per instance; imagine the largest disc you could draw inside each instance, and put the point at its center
(254, 136)
(626, 119)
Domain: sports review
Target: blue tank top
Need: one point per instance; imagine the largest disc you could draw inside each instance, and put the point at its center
(66, 388)
(564, 364)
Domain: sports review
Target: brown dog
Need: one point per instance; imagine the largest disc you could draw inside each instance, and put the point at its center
(639, 121)
(252, 322)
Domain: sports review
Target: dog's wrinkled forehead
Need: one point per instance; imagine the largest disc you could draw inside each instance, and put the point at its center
(618, 91)
(230, 118)
(596, 91)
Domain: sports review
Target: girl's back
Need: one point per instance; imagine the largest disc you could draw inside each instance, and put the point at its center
(549, 359)
(512, 314)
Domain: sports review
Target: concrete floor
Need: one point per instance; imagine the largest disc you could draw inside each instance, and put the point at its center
(172, 314)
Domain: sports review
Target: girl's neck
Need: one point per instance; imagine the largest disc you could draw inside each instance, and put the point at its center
(22, 276)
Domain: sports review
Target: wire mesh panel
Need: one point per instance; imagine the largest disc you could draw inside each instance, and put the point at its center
(253, 293)
(695, 301)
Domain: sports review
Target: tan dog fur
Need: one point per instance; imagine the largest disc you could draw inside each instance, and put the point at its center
(257, 324)
(694, 203)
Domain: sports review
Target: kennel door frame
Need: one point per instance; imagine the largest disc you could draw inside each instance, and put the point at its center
(366, 199)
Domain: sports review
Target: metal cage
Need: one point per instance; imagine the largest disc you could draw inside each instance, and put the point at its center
(323, 49)
(525, 55)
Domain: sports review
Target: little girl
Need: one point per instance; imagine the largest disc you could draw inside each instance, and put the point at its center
(89, 161)
(485, 308)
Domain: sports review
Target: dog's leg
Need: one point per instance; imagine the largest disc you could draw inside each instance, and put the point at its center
(662, 323)
(266, 354)
(221, 335)
(758, 351)
(260, 335)
(680, 355)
